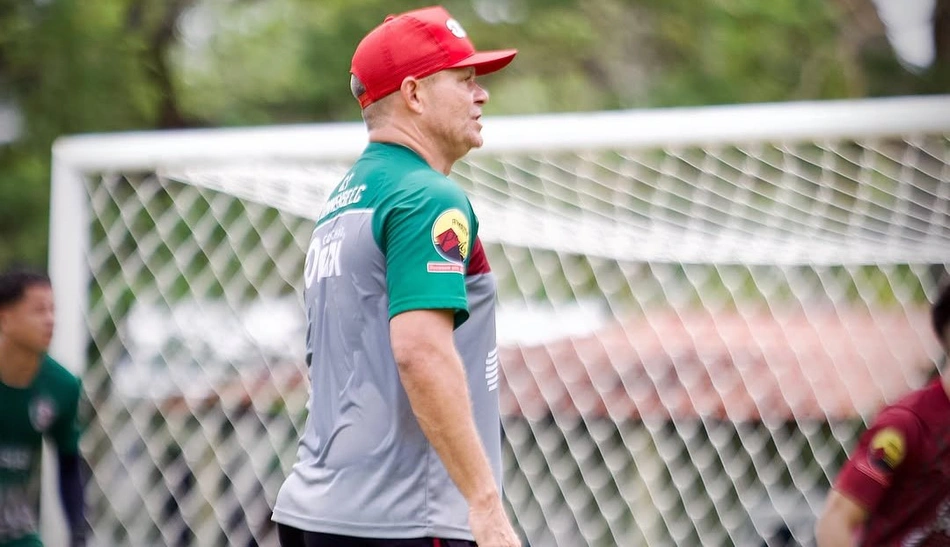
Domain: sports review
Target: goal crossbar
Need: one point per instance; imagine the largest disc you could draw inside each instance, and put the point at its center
(670, 127)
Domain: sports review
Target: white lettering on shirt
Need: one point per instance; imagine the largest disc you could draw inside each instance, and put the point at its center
(323, 256)
(344, 198)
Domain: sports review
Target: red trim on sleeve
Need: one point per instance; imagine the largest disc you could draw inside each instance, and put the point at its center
(478, 264)
(861, 488)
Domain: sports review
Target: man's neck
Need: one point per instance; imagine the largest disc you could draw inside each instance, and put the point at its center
(18, 365)
(415, 141)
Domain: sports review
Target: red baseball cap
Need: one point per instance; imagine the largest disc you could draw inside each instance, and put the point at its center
(417, 43)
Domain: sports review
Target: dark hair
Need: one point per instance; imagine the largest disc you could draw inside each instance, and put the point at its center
(15, 282)
(356, 86)
(940, 316)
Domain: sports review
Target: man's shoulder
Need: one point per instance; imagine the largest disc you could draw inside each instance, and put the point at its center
(57, 376)
(421, 185)
(906, 421)
(406, 176)
(393, 178)
(922, 402)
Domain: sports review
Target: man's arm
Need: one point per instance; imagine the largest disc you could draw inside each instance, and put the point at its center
(840, 522)
(65, 435)
(434, 379)
(71, 494)
(862, 483)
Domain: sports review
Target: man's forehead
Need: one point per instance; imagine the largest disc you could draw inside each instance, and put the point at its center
(463, 71)
(37, 292)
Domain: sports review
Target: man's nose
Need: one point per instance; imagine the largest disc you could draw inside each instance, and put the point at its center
(481, 94)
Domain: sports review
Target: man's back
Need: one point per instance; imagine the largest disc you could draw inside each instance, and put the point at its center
(906, 456)
(395, 236)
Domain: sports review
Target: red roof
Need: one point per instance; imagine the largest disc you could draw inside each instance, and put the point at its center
(826, 364)
(817, 365)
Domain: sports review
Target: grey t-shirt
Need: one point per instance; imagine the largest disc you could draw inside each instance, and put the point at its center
(394, 236)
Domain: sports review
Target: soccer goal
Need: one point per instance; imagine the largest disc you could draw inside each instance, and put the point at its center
(699, 309)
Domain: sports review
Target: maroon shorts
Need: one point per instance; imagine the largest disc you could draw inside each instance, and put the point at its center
(292, 537)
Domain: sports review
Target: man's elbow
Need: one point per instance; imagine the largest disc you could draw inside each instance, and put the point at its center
(824, 530)
(834, 533)
(419, 337)
(409, 356)
(839, 523)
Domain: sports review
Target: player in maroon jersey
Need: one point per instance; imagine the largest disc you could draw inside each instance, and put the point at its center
(895, 488)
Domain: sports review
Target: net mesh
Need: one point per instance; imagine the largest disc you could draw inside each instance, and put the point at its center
(691, 338)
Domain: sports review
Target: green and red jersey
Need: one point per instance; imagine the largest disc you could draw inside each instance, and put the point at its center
(394, 236)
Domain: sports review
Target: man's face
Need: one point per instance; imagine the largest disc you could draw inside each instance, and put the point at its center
(455, 109)
(29, 321)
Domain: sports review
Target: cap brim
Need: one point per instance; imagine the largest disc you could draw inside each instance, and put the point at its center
(486, 62)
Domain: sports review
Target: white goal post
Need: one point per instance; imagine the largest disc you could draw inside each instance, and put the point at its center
(699, 309)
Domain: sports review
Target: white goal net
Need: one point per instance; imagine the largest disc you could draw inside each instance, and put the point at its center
(699, 310)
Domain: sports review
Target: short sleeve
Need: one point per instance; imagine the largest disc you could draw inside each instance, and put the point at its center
(65, 430)
(426, 235)
(882, 451)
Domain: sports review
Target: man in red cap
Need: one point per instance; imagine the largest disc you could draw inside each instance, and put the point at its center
(402, 446)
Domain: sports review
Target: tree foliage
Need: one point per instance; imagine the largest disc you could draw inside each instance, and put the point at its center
(70, 66)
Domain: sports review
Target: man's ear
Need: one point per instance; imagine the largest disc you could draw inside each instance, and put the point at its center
(410, 91)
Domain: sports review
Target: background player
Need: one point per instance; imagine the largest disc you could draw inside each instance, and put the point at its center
(38, 398)
(895, 488)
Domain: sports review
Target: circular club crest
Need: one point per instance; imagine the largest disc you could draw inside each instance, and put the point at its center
(42, 413)
(887, 449)
(450, 235)
(455, 28)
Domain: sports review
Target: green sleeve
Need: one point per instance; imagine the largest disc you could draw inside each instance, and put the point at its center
(65, 431)
(425, 232)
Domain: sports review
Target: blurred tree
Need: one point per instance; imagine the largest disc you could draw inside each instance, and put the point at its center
(942, 32)
(75, 67)
(72, 67)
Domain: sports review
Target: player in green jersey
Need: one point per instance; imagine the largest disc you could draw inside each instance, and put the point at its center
(38, 398)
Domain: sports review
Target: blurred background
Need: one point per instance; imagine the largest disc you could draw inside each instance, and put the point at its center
(69, 66)
(695, 323)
